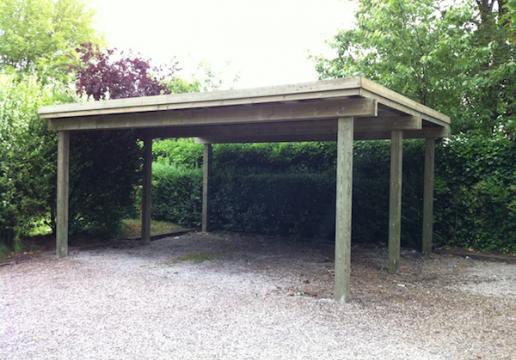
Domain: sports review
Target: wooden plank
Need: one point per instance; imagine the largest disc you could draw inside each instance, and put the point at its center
(428, 196)
(322, 89)
(390, 97)
(224, 115)
(343, 209)
(437, 132)
(281, 137)
(303, 127)
(395, 201)
(323, 96)
(147, 190)
(206, 172)
(63, 184)
(389, 123)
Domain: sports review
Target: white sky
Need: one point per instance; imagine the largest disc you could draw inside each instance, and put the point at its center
(256, 42)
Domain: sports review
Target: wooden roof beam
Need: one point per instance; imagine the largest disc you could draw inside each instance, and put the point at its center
(367, 135)
(306, 127)
(262, 113)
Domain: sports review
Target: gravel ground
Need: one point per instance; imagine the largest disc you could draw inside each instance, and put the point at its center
(232, 296)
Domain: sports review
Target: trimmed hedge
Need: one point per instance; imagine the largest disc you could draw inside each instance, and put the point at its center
(281, 204)
(176, 194)
(299, 204)
(476, 193)
(289, 189)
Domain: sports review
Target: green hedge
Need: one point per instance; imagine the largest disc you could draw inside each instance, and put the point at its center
(293, 200)
(27, 157)
(284, 204)
(289, 189)
(176, 194)
(104, 168)
(281, 204)
(476, 193)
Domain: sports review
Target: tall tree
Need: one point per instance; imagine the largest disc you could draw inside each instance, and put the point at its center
(449, 57)
(102, 75)
(41, 35)
(113, 75)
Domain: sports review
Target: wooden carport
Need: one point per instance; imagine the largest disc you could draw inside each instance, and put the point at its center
(341, 110)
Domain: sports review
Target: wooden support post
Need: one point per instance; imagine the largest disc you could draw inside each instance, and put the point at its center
(343, 210)
(147, 189)
(395, 201)
(63, 164)
(428, 196)
(206, 172)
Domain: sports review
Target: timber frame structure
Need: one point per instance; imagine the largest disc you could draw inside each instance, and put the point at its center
(331, 110)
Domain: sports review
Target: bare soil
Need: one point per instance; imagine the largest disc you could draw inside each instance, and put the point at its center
(233, 296)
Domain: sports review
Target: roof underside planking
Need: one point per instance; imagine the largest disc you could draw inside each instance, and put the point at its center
(298, 112)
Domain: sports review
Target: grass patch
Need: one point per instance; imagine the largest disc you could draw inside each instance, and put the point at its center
(132, 228)
(39, 228)
(195, 257)
(4, 251)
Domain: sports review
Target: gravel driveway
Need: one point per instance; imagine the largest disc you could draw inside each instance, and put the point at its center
(232, 296)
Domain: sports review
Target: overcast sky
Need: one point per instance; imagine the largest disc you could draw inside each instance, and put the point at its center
(259, 42)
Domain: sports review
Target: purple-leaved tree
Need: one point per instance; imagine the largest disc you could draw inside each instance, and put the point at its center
(113, 75)
(105, 165)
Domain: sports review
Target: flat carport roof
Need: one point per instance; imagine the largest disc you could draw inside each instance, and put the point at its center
(278, 113)
(329, 110)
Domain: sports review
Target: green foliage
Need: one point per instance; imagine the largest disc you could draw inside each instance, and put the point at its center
(454, 57)
(309, 156)
(4, 250)
(180, 152)
(38, 41)
(260, 203)
(132, 228)
(269, 189)
(101, 185)
(459, 58)
(176, 194)
(274, 203)
(476, 192)
(279, 157)
(194, 257)
(511, 19)
(178, 86)
(27, 159)
(106, 165)
(41, 35)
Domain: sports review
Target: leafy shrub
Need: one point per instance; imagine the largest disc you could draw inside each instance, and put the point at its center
(27, 156)
(476, 192)
(279, 157)
(176, 194)
(104, 170)
(105, 166)
(99, 198)
(249, 158)
(284, 203)
(276, 192)
(180, 152)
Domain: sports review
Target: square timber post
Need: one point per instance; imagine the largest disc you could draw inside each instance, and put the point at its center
(428, 196)
(63, 185)
(147, 189)
(343, 208)
(395, 200)
(206, 173)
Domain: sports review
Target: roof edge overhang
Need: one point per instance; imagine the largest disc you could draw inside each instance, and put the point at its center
(315, 101)
(280, 93)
